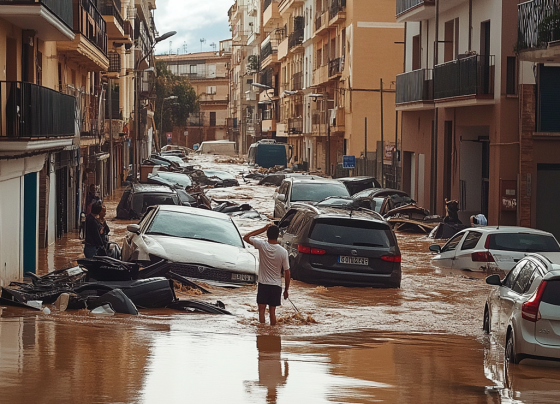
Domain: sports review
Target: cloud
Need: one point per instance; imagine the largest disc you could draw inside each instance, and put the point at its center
(193, 20)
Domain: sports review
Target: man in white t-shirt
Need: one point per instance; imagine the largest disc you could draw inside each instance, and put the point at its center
(272, 259)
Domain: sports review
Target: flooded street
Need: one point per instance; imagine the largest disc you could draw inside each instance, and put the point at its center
(422, 343)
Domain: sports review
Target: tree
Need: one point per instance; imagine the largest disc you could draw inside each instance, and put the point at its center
(177, 111)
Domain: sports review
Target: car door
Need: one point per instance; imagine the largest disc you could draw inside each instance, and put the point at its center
(463, 253)
(291, 234)
(507, 297)
(280, 206)
(130, 243)
(447, 254)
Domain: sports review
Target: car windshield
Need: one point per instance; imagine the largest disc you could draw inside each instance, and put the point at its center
(220, 174)
(317, 192)
(140, 202)
(336, 202)
(359, 233)
(523, 242)
(187, 225)
(176, 178)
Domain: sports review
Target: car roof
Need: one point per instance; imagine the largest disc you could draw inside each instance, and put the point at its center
(142, 188)
(312, 180)
(357, 179)
(334, 212)
(508, 229)
(384, 191)
(194, 211)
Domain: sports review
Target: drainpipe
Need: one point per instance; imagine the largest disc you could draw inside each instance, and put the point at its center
(433, 177)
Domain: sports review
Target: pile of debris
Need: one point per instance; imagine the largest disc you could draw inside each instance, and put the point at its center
(104, 285)
(230, 160)
(412, 218)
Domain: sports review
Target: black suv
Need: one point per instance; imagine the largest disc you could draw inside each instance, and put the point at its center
(137, 198)
(340, 247)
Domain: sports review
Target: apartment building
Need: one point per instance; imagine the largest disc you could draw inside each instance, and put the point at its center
(208, 73)
(52, 121)
(459, 102)
(539, 123)
(324, 61)
(245, 20)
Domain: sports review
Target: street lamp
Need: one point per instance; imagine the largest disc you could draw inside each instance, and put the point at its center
(171, 97)
(137, 100)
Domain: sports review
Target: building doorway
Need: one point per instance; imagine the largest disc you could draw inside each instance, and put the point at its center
(548, 195)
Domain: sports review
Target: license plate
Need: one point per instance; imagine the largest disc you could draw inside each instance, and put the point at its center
(242, 277)
(353, 260)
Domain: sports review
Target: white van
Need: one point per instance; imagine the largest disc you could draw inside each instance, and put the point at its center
(224, 147)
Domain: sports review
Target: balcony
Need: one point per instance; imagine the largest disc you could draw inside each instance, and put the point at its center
(295, 40)
(114, 62)
(89, 47)
(269, 54)
(31, 114)
(321, 75)
(466, 77)
(337, 12)
(336, 66)
(297, 81)
(416, 87)
(321, 23)
(286, 5)
(268, 123)
(414, 10)
(319, 126)
(538, 27)
(111, 11)
(295, 126)
(271, 15)
(283, 49)
(339, 121)
(51, 19)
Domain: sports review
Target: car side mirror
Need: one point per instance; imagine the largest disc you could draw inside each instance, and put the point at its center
(276, 222)
(435, 248)
(494, 280)
(282, 197)
(133, 228)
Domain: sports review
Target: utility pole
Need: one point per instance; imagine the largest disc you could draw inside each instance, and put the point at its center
(382, 140)
(365, 146)
(111, 159)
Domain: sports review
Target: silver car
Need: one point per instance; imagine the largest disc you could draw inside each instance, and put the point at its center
(523, 312)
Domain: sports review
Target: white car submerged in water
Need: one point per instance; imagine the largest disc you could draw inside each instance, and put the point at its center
(492, 248)
(200, 244)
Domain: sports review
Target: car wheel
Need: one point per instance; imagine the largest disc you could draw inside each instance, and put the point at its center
(510, 354)
(486, 321)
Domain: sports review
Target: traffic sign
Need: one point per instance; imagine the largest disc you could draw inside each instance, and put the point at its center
(348, 161)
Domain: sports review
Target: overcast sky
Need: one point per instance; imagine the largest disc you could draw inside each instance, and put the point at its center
(193, 20)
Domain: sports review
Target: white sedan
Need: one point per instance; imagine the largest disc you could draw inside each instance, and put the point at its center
(492, 248)
(199, 244)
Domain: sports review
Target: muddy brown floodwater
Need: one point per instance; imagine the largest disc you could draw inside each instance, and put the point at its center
(422, 343)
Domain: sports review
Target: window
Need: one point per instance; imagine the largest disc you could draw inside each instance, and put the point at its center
(451, 245)
(352, 233)
(211, 90)
(523, 281)
(512, 276)
(416, 52)
(523, 242)
(317, 192)
(471, 240)
(551, 294)
(511, 80)
(192, 69)
(296, 223)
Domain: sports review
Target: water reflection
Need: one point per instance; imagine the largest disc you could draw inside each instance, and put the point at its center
(271, 374)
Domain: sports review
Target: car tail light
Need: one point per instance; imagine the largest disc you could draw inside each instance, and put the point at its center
(308, 250)
(530, 309)
(482, 256)
(391, 258)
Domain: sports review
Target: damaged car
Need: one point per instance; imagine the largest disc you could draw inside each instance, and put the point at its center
(137, 198)
(199, 244)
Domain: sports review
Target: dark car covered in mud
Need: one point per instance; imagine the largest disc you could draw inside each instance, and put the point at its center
(340, 247)
(137, 198)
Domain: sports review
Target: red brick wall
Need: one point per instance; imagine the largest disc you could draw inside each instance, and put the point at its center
(527, 125)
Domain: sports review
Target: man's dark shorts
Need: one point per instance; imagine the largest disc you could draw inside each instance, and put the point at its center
(269, 294)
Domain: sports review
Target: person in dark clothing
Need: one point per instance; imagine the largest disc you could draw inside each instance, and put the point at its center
(93, 239)
(91, 198)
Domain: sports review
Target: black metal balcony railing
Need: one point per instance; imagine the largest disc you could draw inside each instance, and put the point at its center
(267, 50)
(415, 86)
(404, 5)
(335, 7)
(113, 111)
(89, 22)
(318, 22)
(266, 77)
(112, 9)
(268, 114)
(295, 38)
(266, 4)
(538, 23)
(336, 66)
(114, 62)
(31, 111)
(473, 75)
(297, 81)
(295, 126)
(61, 8)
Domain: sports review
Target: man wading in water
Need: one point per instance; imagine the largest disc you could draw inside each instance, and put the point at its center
(272, 258)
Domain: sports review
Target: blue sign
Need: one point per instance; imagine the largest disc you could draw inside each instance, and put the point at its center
(348, 161)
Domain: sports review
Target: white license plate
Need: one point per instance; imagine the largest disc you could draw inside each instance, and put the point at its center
(353, 260)
(242, 277)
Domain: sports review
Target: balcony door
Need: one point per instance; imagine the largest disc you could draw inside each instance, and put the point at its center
(485, 56)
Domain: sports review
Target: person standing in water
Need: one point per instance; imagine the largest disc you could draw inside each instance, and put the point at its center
(272, 259)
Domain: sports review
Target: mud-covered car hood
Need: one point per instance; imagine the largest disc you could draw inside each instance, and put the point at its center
(191, 251)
